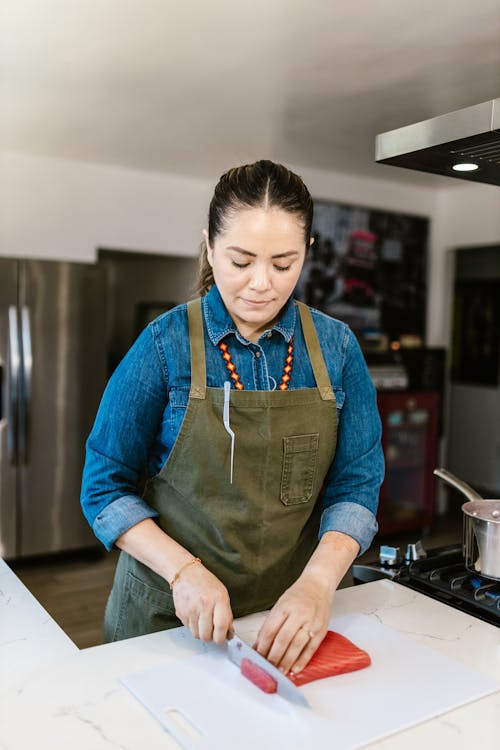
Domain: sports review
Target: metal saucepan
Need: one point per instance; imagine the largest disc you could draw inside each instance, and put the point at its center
(481, 531)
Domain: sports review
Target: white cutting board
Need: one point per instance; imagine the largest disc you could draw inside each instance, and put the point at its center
(205, 703)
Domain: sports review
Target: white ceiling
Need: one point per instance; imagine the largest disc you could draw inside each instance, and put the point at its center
(192, 87)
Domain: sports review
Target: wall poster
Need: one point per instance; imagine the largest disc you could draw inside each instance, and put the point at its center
(368, 267)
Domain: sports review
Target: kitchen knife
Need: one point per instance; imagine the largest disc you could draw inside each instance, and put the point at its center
(238, 650)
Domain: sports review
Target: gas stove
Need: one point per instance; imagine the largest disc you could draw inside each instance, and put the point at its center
(439, 573)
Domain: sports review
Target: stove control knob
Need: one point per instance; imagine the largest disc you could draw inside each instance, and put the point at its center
(389, 556)
(415, 552)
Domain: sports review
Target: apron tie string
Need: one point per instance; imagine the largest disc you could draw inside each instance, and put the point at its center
(225, 416)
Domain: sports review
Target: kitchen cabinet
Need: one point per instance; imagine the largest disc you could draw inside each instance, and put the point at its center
(409, 440)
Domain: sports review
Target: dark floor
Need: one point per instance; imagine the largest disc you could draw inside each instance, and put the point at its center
(73, 588)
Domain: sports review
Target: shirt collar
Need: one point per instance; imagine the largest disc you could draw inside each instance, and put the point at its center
(220, 323)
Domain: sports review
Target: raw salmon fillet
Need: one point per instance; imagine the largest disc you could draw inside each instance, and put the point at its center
(336, 654)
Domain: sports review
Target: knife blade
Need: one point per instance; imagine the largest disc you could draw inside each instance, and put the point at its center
(237, 650)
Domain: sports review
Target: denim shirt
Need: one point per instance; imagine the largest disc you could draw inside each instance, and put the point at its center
(144, 403)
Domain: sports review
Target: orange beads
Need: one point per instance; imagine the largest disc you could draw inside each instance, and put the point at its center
(285, 378)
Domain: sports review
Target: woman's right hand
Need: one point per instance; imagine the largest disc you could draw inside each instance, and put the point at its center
(201, 600)
(202, 604)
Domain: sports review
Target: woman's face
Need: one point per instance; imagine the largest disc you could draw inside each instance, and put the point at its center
(256, 263)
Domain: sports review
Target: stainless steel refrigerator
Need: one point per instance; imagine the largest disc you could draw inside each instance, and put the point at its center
(52, 374)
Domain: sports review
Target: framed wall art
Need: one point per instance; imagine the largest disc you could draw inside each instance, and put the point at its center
(368, 268)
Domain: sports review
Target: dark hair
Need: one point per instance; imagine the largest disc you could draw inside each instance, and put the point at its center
(263, 184)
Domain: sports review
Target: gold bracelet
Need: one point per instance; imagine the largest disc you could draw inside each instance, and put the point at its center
(174, 579)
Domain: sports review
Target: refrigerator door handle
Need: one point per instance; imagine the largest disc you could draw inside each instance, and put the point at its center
(27, 368)
(13, 369)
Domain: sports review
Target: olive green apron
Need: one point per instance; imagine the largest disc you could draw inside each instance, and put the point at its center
(257, 533)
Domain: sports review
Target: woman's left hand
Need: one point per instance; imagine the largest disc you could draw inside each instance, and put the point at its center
(296, 625)
(298, 622)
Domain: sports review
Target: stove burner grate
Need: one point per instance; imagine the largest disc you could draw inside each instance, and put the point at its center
(444, 572)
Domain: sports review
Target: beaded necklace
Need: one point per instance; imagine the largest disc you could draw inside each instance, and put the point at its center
(287, 369)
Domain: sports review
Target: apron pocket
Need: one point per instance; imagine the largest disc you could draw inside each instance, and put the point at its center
(299, 468)
(144, 609)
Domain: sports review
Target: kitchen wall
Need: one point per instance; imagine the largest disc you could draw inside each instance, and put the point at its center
(62, 209)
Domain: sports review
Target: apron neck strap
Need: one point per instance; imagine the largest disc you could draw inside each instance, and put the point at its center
(197, 347)
(315, 354)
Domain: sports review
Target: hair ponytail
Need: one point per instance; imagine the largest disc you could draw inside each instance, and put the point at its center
(205, 278)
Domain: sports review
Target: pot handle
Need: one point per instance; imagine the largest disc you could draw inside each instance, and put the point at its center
(459, 484)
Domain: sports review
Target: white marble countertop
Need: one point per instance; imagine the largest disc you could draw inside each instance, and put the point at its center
(54, 696)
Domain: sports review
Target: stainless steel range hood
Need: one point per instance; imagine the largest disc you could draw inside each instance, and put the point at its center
(470, 136)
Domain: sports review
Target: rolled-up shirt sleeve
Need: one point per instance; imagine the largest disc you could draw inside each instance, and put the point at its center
(118, 446)
(352, 486)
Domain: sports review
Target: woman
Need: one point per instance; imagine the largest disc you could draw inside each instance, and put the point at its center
(236, 431)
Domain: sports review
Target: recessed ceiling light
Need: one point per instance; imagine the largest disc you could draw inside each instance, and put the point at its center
(466, 167)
